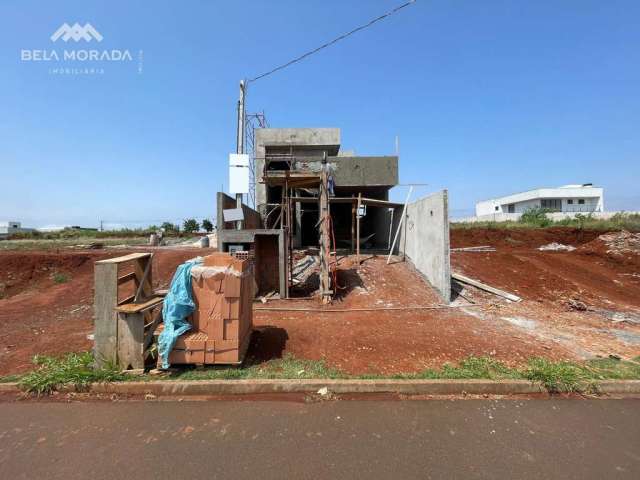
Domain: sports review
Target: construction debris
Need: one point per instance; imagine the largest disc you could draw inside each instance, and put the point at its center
(577, 305)
(556, 247)
(619, 317)
(302, 269)
(621, 242)
(484, 286)
(481, 248)
(371, 309)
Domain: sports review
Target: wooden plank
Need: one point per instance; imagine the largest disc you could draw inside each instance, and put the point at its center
(106, 320)
(484, 286)
(324, 218)
(150, 330)
(131, 340)
(358, 229)
(128, 299)
(374, 202)
(126, 278)
(144, 282)
(125, 258)
(142, 269)
(144, 278)
(353, 225)
(474, 249)
(140, 307)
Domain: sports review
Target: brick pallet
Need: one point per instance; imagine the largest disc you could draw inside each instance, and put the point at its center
(222, 321)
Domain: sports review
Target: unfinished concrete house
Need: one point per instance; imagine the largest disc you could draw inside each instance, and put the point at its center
(311, 195)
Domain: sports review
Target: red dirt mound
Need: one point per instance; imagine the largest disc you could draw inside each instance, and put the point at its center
(596, 272)
(27, 271)
(616, 247)
(520, 237)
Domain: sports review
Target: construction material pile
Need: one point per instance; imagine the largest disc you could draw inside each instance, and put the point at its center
(556, 247)
(621, 242)
(222, 319)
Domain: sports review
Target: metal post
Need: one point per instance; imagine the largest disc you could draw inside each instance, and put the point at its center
(402, 222)
(353, 224)
(240, 141)
(358, 228)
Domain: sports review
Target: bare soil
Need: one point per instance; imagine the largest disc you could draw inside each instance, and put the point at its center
(576, 305)
(38, 315)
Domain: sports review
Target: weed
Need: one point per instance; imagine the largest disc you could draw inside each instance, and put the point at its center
(535, 219)
(60, 277)
(75, 369)
(559, 376)
(285, 367)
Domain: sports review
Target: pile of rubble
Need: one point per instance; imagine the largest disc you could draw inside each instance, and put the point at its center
(556, 247)
(621, 242)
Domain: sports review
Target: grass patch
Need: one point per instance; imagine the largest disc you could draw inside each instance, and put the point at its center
(77, 369)
(10, 378)
(54, 244)
(287, 367)
(73, 369)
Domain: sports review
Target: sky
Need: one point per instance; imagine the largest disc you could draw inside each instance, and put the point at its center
(487, 98)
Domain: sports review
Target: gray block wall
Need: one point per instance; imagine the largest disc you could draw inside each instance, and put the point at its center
(320, 138)
(424, 240)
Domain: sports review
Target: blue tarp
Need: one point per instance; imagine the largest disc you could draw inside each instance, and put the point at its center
(178, 305)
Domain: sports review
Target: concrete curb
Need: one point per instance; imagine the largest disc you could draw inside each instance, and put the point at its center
(9, 387)
(614, 387)
(403, 387)
(243, 387)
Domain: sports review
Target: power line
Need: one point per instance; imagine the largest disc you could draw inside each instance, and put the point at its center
(335, 40)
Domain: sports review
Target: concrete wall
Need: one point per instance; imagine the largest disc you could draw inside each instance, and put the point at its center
(252, 218)
(365, 171)
(514, 217)
(425, 240)
(321, 138)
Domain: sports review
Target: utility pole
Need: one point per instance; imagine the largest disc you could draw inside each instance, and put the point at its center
(240, 141)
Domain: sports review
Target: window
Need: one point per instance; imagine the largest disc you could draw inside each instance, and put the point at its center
(581, 201)
(570, 201)
(497, 208)
(553, 204)
(512, 208)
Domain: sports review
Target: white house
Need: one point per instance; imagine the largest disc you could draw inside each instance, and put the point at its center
(9, 228)
(567, 199)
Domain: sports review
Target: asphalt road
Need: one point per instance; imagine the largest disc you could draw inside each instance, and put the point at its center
(508, 439)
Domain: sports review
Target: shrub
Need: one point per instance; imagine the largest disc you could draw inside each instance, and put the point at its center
(536, 217)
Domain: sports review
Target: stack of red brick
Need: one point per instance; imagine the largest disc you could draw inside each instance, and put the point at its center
(223, 293)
